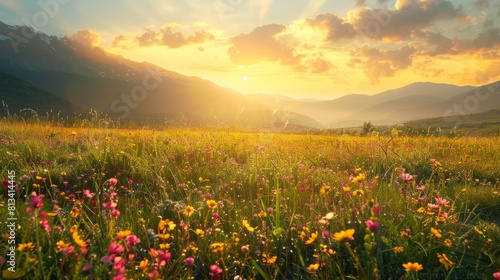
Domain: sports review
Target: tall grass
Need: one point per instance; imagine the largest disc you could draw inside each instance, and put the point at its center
(197, 204)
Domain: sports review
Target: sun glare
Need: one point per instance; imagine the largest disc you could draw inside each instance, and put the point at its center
(245, 78)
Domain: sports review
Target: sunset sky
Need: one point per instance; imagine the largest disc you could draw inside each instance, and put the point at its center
(304, 49)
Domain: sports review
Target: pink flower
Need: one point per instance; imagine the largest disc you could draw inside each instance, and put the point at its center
(115, 213)
(376, 209)
(110, 205)
(372, 225)
(433, 206)
(215, 272)
(421, 188)
(496, 275)
(406, 177)
(132, 240)
(87, 193)
(36, 201)
(44, 224)
(115, 249)
(442, 201)
(67, 251)
(113, 181)
(189, 261)
(87, 267)
(119, 265)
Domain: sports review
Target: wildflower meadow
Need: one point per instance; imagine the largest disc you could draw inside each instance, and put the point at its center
(179, 203)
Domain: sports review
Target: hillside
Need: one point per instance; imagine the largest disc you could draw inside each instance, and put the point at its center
(143, 92)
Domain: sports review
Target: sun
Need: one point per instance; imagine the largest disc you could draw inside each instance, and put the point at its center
(244, 78)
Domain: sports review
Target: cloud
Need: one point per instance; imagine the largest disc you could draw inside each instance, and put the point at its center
(319, 65)
(335, 27)
(168, 36)
(482, 4)
(408, 17)
(437, 44)
(489, 38)
(377, 63)
(261, 44)
(360, 2)
(87, 37)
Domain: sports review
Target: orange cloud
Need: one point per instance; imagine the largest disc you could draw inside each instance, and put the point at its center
(168, 36)
(87, 37)
(261, 44)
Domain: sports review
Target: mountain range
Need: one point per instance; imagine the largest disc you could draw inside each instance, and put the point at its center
(55, 73)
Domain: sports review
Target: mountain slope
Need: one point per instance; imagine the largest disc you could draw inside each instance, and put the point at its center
(17, 95)
(119, 87)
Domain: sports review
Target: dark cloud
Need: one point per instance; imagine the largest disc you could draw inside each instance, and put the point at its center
(360, 2)
(489, 38)
(482, 4)
(408, 17)
(168, 36)
(377, 63)
(336, 27)
(261, 44)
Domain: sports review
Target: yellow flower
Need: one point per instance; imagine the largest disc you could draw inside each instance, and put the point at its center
(312, 268)
(447, 263)
(189, 210)
(25, 246)
(166, 225)
(123, 234)
(421, 210)
(60, 245)
(212, 204)
(447, 243)
(324, 189)
(164, 247)
(262, 214)
(302, 235)
(358, 179)
(323, 248)
(436, 233)
(412, 266)
(36, 185)
(312, 238)
(193, 249)
(346, 189)
(74, 212)
(344, 234)
(478, 231)
(163, 236)
(78, 240)
(357, 193)
(144, 265)
(398, 249)
(199, 232)
(247, 226)
(217, 247)
(440, 219)
(267, 259)
(38, 178)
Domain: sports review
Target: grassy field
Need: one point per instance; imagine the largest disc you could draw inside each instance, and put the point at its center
(91, 203)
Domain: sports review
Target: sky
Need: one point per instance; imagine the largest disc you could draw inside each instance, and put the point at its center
(303, 49)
